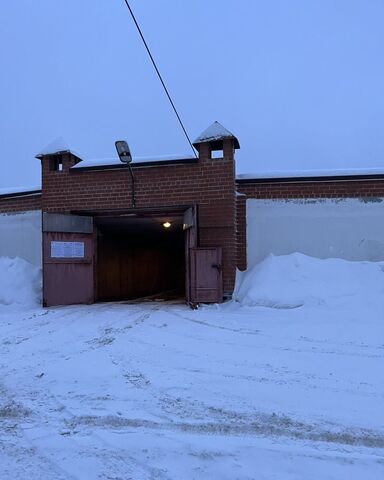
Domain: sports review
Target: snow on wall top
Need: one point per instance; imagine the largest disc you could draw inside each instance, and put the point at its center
(214, 133)
(21, 190)
(59, 145)
(338, 172)
(115, 161)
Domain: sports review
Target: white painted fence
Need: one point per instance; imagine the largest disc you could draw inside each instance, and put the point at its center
(20, 236)
(352, 229)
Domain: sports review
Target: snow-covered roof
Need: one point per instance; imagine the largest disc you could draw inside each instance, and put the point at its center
(57, 146)
(215, 133)
(20, 190)
(115, 161)
(338, 172)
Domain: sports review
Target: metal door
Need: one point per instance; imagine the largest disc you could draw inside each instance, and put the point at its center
(68, 260)
(206, 275)
(190, 228)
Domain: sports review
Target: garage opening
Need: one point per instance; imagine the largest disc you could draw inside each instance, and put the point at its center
(140, 257)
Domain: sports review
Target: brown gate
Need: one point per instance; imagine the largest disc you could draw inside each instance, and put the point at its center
(68, 260)
(206, 275)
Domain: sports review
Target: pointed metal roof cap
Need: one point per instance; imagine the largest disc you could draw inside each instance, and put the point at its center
(56, 147)
(215, 133)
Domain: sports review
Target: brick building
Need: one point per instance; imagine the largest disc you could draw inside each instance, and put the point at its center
(124, 249)
(180, 227)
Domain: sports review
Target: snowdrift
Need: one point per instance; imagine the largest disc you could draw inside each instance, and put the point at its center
(20, 283)
(290, 281)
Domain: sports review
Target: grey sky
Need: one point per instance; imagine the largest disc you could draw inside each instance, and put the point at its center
(300, 82)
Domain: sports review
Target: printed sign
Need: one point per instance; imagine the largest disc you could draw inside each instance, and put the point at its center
(67, 249)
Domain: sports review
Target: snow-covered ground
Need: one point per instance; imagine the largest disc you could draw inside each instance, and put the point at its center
(293, 389)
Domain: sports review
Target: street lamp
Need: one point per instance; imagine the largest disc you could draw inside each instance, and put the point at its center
(125, 156)
(123, 151)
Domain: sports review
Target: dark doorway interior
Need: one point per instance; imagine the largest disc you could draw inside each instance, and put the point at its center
(137, 257)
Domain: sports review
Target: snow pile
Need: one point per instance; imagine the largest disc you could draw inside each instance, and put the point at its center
(20, 282)
(290, 281)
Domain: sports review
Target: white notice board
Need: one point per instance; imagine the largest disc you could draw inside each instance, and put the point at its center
(67, 249)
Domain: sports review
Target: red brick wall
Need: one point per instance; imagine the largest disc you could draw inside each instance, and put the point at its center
(14, 204)
(309, 189)
(209, 183)
(318, 189)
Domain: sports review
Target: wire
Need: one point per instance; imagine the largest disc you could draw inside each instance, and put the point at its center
(133, 185)
(159, 75)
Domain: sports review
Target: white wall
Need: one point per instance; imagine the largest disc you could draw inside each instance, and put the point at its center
(352, 229)
(20, 236)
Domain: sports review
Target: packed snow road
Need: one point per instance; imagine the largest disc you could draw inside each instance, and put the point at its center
(116, 391)
(284, 383)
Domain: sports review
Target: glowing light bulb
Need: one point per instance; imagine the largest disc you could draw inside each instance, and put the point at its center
(166, 224)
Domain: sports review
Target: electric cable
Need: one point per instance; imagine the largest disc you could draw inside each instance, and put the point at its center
(159, 75)
(133, 186)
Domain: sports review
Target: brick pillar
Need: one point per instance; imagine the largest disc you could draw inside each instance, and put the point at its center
(217, 209)
(55, 179)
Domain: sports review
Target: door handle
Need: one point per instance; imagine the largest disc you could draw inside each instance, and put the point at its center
(217, 266)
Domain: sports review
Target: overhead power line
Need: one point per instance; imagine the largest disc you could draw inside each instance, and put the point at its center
(159, 75)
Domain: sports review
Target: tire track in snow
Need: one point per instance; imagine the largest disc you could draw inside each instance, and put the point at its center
(51, 462)
(212, 325)
(265, 425)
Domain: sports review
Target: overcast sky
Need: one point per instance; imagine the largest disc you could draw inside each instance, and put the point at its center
(300, 82)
